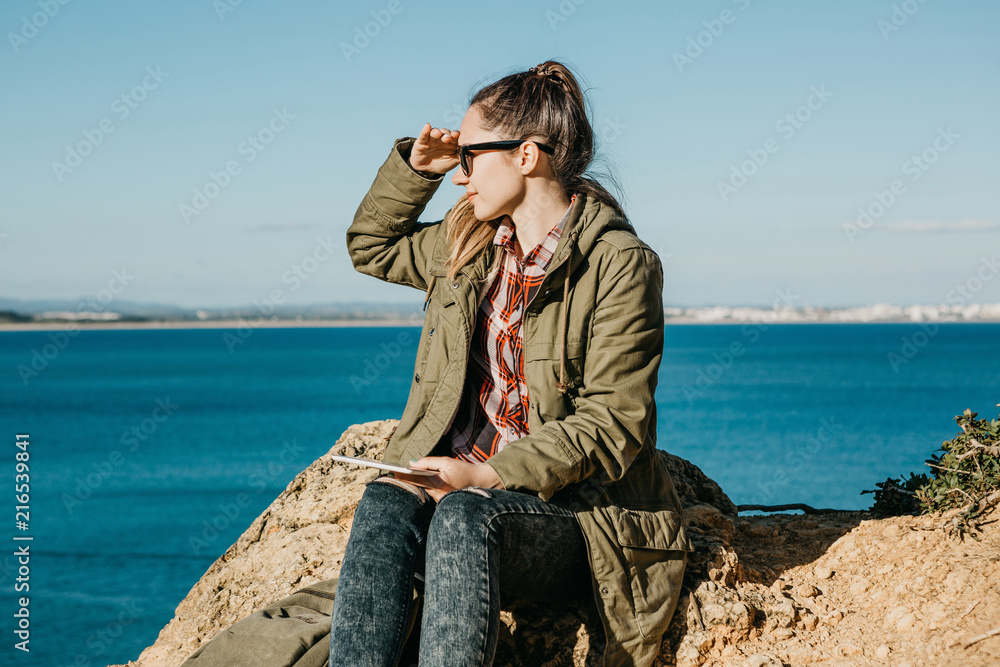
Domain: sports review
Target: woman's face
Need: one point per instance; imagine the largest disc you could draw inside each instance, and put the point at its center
(496, 185)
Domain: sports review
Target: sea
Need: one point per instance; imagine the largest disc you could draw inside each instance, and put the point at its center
(140, 448)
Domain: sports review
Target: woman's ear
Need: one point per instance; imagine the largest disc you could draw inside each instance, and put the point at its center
(531, 160)
(526, 158)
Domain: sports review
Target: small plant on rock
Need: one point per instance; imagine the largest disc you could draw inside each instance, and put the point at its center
(895, 497)
(966, 473)
(965, 476)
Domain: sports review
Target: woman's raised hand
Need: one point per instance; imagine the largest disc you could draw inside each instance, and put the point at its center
(435, 151)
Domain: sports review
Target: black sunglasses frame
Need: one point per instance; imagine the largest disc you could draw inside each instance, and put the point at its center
(465, 159)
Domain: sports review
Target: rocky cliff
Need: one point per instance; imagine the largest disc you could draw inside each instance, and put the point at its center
(836, 589)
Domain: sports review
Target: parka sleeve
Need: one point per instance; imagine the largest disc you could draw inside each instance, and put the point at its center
(385, 240)
(615, 402)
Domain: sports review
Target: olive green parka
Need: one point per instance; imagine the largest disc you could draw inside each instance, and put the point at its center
(592, 438)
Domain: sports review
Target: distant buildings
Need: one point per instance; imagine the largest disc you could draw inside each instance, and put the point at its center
(879, 312)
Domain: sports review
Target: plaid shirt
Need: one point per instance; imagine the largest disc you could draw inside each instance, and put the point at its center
(494, 406)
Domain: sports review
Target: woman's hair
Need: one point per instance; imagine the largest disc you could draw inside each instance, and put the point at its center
(544, 102)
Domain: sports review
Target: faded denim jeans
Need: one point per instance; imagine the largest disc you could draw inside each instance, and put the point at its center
(464, 552)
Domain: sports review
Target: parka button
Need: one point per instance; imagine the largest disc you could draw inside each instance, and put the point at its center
(417, 377)
(605, 591)
(454, 285)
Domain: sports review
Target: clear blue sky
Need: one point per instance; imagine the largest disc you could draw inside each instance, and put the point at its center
(889, 87)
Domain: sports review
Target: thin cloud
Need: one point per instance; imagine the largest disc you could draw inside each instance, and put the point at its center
(284, 227)
(940, 226)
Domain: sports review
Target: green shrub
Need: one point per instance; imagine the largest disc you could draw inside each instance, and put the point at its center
(965, 475)
(895, 497)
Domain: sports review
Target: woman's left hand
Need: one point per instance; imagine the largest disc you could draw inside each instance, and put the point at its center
(452, 474)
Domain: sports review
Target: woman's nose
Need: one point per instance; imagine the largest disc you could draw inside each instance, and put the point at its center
(459, 178)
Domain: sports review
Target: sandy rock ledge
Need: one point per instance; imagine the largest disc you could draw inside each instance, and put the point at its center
(832, 589)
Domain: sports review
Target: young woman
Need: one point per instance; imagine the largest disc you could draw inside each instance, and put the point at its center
(532, 395)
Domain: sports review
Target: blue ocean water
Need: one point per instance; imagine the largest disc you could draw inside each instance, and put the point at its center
(152, 451)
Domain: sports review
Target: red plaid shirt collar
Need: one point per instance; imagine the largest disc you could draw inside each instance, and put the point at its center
(541, 254)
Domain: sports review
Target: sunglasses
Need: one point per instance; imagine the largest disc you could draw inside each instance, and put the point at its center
(465, 152)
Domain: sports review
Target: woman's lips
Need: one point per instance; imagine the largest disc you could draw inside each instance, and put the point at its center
(472, 195)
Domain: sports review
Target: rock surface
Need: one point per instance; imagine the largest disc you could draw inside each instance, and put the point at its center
(837, 589)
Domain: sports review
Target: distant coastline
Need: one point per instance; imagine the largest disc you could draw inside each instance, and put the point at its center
(91, 325)
(397, 317)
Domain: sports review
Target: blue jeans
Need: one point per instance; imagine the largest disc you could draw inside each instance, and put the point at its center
(464, 551)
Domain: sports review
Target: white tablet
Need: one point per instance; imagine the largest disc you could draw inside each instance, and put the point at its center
(382, 465)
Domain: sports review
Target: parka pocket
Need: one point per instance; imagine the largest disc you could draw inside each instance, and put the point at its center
(542, 367)
(433, 349)
(653, 549)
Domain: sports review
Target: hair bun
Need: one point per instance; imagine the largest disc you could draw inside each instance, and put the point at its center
(546, 70)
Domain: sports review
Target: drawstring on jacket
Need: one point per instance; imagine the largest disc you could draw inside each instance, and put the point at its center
(430, 286)
(561, 385)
